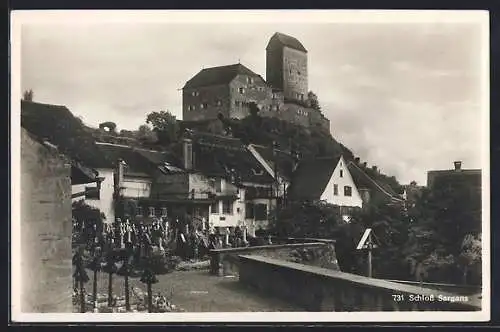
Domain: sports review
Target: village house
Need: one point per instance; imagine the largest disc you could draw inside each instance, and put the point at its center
(229, 90)
(371, 190)
(326, 179)
(470, 177)
(343, 184)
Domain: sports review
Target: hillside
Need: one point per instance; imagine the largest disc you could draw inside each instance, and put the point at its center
(308, 142)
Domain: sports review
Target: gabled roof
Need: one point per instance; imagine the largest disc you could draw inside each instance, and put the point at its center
(218, 75)
(216, 155)
(311, 178)
(139, 162)
(284, 161)
(363, 180)
(57, 125)
(287, 41)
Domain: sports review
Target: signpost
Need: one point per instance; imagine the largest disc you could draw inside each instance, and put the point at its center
(367, 243)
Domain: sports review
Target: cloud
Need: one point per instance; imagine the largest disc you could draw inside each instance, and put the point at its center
(402, 96)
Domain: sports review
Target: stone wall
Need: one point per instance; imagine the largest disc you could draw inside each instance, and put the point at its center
(215, 98)
(226, 261)
(45, 258)
(319, 289)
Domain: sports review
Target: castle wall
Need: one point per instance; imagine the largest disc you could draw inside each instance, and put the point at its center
(254, 89)
(215, 98)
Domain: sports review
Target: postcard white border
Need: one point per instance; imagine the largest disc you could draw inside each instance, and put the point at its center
(18, 18)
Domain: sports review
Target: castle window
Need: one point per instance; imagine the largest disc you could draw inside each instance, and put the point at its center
(336, 189)
(347, 191)
(218, 102)
(241, 90)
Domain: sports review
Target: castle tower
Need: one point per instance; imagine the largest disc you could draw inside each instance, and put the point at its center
(286, 66)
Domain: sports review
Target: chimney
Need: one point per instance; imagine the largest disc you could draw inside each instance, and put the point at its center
(374, 168)
(356, 160)
(187, 153)
(458, 165)
(365, 164)
(120, 168)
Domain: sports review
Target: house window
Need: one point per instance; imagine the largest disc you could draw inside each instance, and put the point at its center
(237, 103)
(336, 189)
(227, 207)
(249, 211)
(241, 90)
(214, 208)
(341, 173)
(164, 212)
(298, 72)
(195, 93)
(191, 107)
(218, 185)
(151, 211)
(203, 106)
(260, 212)
(218, 102)
(92, 193)
(250, 80)
(139, 211)
(274, 96)
(347, 191)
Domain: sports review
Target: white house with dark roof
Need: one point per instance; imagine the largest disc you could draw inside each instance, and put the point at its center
(326, 179)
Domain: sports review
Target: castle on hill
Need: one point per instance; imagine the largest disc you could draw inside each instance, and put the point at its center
(230, 90)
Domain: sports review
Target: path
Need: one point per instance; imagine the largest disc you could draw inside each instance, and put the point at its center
(198, 291)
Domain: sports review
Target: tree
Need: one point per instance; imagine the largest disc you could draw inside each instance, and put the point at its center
(445, 226)
(87, 218)
(28, 95)
(165, 125)
(312, 100)
(145, 134)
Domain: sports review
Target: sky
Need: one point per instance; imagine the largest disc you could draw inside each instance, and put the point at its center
(403, 96)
